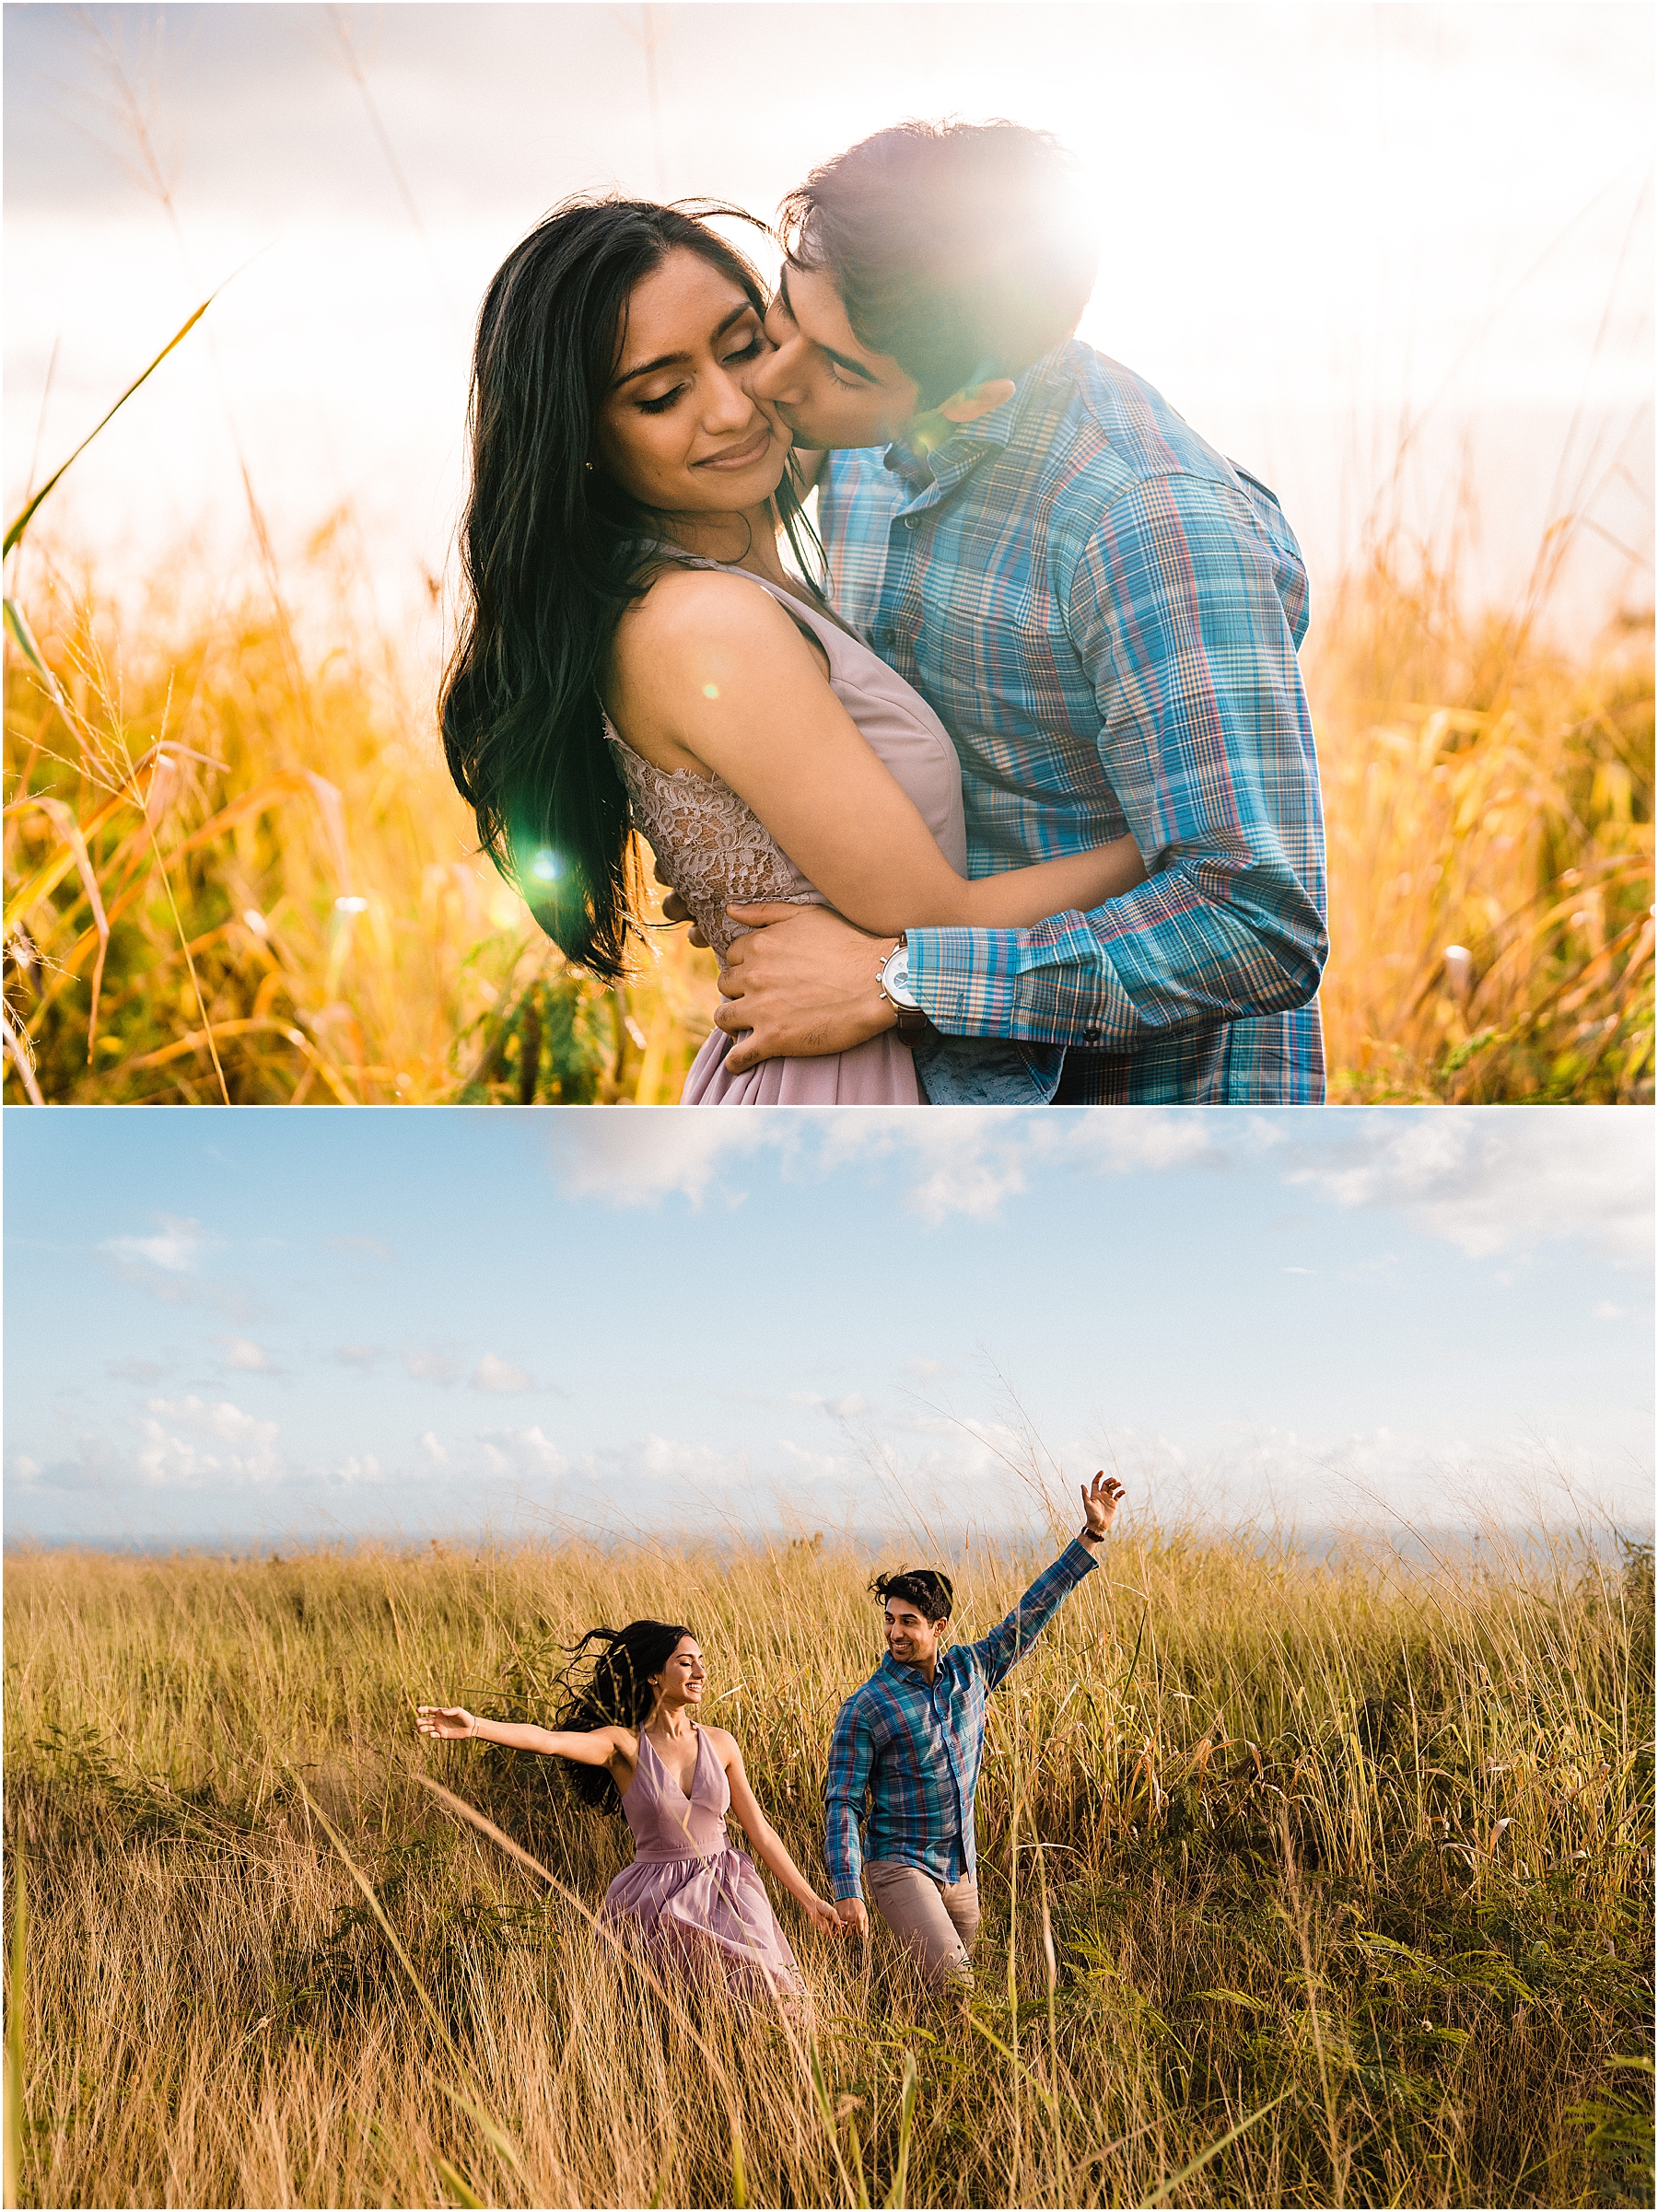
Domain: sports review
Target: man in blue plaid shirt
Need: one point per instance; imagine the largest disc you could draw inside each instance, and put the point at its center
(1103, 612)
(903, 1760)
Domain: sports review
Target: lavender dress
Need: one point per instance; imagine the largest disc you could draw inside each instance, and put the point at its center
(713, 849)
(690, 1895)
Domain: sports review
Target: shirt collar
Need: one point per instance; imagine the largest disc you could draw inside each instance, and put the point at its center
(969, 443)
(913, 1675)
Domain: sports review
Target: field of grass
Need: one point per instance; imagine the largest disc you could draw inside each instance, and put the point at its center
(234, 867)
(1305, 1883)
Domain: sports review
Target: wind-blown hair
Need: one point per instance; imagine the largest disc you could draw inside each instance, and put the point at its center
(611, 1689)
(551, 553)
(931, 1593)
(963, 249)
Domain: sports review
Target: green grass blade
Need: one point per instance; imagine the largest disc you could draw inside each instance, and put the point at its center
(739, 2178)
(23, 519)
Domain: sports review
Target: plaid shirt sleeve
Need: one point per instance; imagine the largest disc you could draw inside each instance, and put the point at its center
(851, 1759)
(1181, 612)
(997, 1652)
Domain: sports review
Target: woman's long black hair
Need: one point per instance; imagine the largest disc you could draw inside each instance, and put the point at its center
(612, 1689)
(552, 552)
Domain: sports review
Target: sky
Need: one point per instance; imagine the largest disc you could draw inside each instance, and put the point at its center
(235, 1326)
(1325, 225)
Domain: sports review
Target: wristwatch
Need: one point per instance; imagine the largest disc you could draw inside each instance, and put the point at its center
(893, 978)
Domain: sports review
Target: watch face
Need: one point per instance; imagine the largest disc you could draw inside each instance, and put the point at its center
(895, 977)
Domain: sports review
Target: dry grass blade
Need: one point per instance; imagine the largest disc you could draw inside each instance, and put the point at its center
(623, 1951)
(76, 843)
(16, 2003)
(214, 2005)
(1162, 2193)
(471, 2104)
(1489, 805)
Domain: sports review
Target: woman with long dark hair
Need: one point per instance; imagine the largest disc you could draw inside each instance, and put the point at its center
(628, 1734)
(634, 653)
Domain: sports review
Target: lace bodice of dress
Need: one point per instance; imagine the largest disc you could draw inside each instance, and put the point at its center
(712, 847)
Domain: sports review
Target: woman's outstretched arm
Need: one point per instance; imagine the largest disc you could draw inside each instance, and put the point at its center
(595, 1747)
(712, 675)
(769, 1847)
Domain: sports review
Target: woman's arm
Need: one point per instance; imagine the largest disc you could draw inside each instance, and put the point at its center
(596, 1747)
(769, 1848)
(711, 674)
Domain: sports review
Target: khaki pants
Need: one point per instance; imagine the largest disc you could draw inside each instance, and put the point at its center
(935, 1921)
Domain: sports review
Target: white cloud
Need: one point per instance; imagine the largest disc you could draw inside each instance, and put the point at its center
(499, 1375)
(132, 1370)
(1504, 1179)
(838, 1409)
(176, 1248)
(431, 1366)
(246, 1357)
(24, 1470)
(523, 1451)
(375, 1247)
(652, 1153)
(356, 1355)
(967, 1160)
(1485, 1180)
(434, 1449)
(354, 1470)
(189, 1445)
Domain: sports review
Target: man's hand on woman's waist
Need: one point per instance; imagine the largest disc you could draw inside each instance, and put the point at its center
(803, 983)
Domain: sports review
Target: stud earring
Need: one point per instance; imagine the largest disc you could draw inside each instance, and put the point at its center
(588, 466)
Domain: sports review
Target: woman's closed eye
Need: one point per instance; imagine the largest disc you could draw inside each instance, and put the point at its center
(663, 401)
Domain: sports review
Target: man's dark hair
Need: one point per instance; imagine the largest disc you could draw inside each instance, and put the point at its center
(961, 249)
(928, 1592)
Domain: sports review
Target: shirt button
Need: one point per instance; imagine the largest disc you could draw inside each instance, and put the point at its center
(912, 522)
(1090, 1036)
(888, 637)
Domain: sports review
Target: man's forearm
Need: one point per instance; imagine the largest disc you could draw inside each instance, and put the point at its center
(1011, 1638)
(1161, 960)
(843, 1851)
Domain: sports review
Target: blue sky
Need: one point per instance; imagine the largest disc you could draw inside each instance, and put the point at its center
(239, 1324)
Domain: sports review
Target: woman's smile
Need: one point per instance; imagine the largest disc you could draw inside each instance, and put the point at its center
(744, 456)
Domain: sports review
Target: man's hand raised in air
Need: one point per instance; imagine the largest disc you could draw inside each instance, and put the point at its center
(1099, 1501)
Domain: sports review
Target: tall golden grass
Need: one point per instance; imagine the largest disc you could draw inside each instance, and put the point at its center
(234, 869)
(1305, 1882)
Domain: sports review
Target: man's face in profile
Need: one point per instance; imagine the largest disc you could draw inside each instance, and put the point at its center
(829, 390)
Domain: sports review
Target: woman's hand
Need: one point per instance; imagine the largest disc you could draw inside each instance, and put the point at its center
(823, 1916)
(445, 1721)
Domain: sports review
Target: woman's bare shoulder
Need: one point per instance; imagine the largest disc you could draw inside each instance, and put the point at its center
(682, 610)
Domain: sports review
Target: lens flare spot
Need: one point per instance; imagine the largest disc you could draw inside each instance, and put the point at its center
(544, 866)
(351, 905)
(710, 691)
